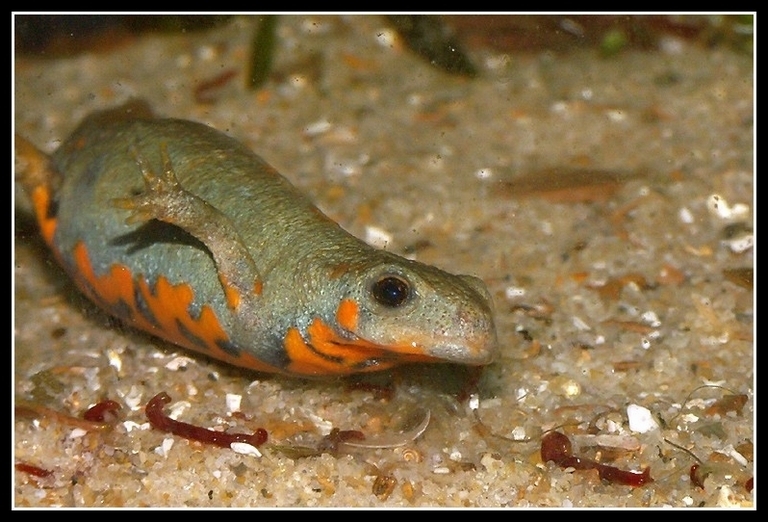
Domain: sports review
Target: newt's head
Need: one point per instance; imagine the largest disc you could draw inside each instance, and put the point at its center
(415, 312)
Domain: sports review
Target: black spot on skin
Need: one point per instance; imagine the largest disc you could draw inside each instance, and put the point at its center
(53, 209)
(197, 341)
(271, 352)
(121, 310)
(143, 308)
(229, 348)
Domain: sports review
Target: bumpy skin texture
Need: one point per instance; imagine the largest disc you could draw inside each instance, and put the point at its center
(183, 232)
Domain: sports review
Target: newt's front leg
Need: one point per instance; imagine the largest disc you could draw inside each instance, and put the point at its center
(166, 200)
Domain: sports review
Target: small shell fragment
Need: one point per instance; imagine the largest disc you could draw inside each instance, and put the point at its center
(640, 419)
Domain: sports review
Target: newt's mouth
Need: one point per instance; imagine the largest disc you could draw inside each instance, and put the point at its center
(325, 352)
(475, 350)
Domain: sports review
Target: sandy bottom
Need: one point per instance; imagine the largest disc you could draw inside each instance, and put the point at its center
(607, 203)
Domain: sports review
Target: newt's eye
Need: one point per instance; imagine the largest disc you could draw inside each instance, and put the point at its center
(391, 291)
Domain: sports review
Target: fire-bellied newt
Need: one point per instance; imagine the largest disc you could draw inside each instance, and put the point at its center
(181, 231)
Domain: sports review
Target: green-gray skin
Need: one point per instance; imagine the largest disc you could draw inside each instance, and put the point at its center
(178, 199)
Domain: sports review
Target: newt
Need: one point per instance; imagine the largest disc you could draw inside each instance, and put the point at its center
(181, 231)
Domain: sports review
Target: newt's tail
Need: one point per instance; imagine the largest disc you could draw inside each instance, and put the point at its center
(40, 181)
